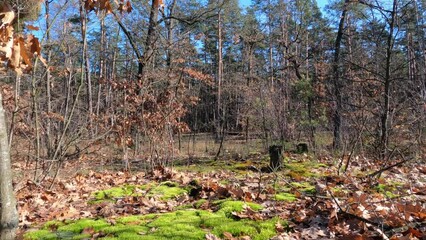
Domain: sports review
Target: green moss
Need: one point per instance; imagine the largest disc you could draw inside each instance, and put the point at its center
(199, 203)
(224, 182)
(53, 225)
(304, 169)
(79, 225)
(287, 197)
(387, 190)
(178, 217)
(242, 165)
(130, 236)
(184, 207)
(81, 236)
(40, 234)
(47, 235)
(129, 219)
(227, 206)
(115, 192)
(166, 191)
(236, 228)
(169, 184)
(128, 228)
(178, 225)
(304, 187)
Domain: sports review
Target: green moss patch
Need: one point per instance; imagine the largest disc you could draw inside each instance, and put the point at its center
(199, 203)
(303, 169)
(227, 207)
(389, 190)
(163, 191)
(80, 225)
(182, 224)
(42, 234)
(116, 192)
(166, 191)
(305, 187)
(285, 197)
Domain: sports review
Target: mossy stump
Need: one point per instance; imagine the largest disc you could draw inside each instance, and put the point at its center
(275, 156)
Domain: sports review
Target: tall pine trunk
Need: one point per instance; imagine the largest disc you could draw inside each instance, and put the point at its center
(337, 85)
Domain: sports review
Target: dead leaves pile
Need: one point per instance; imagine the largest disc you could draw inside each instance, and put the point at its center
(344, 207)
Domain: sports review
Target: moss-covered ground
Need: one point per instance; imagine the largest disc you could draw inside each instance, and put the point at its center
(222, 198)
(182, 224)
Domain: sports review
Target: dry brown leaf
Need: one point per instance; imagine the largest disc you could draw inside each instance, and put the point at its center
(7, 14)
(34, 44)
(23, 51)
(6, 41)
(211, 236)
(32, 28)
(228, 236)
(15, 59)
(129, 7)
(278, 227)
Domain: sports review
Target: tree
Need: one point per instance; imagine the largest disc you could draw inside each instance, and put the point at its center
(337, 84)
(9, 217)
(9, 213)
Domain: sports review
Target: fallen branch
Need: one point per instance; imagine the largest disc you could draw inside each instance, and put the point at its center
(389, 167)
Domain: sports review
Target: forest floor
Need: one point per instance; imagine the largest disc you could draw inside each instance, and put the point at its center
(228, 199)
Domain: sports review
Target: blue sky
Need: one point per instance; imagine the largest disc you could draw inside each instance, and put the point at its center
(321, 3)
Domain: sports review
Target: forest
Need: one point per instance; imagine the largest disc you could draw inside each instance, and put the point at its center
(185, 119)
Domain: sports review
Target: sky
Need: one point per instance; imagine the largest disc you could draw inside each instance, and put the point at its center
(321, 3)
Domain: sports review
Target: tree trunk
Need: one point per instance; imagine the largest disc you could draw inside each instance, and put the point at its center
(101, 68)
(85, 59)
(170, 25)
(337, 85)
(219, 75)
(49, 143)
(150, 39)
(384, 134)
(9, 213)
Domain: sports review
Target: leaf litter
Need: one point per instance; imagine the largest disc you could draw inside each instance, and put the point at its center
(345, 206)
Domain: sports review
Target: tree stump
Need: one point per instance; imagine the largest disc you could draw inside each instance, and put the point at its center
(302, 147)
(275, 156)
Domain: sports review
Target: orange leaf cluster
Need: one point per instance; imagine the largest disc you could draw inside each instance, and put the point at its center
(125, 7)
(158, 3)
(105, 6)
(199, 76)
(98, 5)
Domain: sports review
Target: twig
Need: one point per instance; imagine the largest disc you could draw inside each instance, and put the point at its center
(389, 167)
